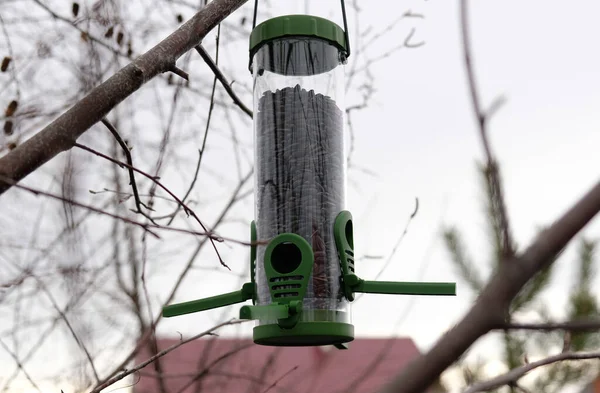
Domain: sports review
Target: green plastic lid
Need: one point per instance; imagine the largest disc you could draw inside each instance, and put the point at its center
(298, 26)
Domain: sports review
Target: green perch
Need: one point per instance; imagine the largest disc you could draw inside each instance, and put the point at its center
(227, 299)
(400, 288)
(288, 265)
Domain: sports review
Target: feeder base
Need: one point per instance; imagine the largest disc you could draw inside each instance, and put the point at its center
(304, 334)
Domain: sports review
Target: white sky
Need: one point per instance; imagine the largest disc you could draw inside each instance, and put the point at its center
(419, 137)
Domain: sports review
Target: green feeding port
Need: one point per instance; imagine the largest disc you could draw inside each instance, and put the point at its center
(303, 280)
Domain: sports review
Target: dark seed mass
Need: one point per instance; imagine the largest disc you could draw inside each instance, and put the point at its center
(300, 178)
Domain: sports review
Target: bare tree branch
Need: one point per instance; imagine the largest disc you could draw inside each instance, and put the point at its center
(62, 133)
(179, 72)
(493, 173)
(219, 75)
(588, 325)
(83, 32)
(235, 196)
(162, 353)
(20, 365)
(146, 227)
(188, 192)
(397, 245)
(186, 209)
(514, 375)
(207, 368)
(280, 378)
(34, 191)
(125, 148)
(63, 316)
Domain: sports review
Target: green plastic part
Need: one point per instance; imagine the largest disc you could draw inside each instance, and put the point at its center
(297, 26)
(406, 288)
(246, 293)
(341, 345)
(304, 334)
(288, 263)
(351, 283)
(343, 233)
(253, 239)
(271, 311)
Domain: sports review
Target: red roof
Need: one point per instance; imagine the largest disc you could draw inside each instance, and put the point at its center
(240, 366)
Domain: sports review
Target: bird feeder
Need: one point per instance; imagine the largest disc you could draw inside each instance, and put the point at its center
(303, 270)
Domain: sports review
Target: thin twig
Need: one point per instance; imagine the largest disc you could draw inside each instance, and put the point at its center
(172, 215)
(250, 378)
(127, 152)
(74, 301)
(587, 325)
(210, 111)
(219, 75)
(493, 178)
(63, 316)
(79, 204)
(166, 136)
(20, 365)
(280, 378)
(11, 54)
(162, 353)
(82, 31)
(409, 44)
(179, 72)
(398, 243)
(207, 368)
(186, 209)
(128, 195)
(211, 106)
(235, 145)
(145, 226)
(515, 374)
(234, 198)
(406, 43)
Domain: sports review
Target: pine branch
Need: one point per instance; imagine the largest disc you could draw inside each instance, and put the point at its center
(492, 306)
(532, 289)
(491, 169)
(587, 272)
(467, 270)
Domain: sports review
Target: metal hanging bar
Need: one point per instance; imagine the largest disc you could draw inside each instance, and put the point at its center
(255, 12)
(346, 29)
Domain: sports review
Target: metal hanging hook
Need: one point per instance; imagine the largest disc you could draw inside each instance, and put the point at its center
(344, 18)
(347, 38)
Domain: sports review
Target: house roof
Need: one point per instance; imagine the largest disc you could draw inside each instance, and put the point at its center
(592, 387)
(240, 366)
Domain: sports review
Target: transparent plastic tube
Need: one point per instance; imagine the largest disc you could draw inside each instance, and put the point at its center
(300, 165)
